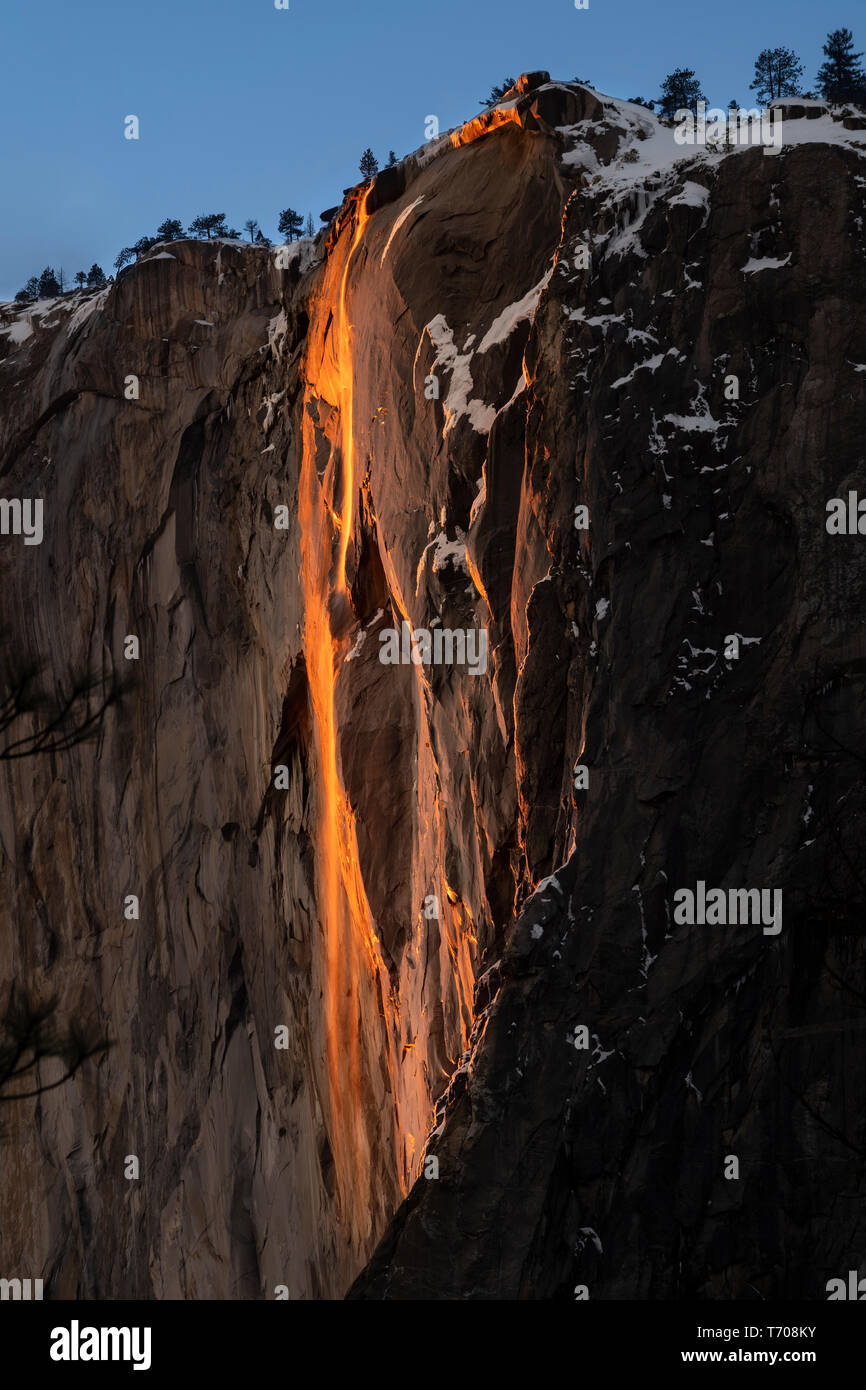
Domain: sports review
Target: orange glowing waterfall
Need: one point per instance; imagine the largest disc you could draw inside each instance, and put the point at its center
(349, 936)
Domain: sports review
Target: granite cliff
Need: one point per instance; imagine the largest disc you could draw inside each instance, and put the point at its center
(557, 380)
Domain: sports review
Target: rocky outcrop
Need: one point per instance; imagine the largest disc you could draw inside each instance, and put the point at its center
(395, 868)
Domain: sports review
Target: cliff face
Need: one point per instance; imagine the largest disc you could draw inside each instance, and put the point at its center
(541, 312)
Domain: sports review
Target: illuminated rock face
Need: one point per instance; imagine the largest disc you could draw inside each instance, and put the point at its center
(498, 397)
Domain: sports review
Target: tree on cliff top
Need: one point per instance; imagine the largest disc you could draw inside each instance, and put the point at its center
(369, 165)
(209, 224)
(30, 291)
(170, 230)
(143, 245)
(291, 224)
(841, 78)
(49, 285)
(497, 93)
(681, 91)
(777, 74)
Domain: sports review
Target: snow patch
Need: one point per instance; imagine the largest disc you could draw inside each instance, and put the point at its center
(83, 311)
(457, 403)
(753, 265)
(651, 365)
(445, 552)
(19, 331)
(398, 224)
(691, 195)
(277, 330)
(505, 323)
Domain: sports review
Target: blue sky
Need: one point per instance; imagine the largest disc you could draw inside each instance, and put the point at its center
(245, 109)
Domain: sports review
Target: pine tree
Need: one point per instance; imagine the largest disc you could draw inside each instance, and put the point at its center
(143, 245)
(681, 91)
(210, 224)
(30, 291)
(49, 287)
(392, 159)
(95, 277)
(841, 78)
(251, 226)
(170, 230)
(310, 226)
(777, 74)
(497, 93)
(81, 279)
(369, 164)
(124, 257)
(291, 224)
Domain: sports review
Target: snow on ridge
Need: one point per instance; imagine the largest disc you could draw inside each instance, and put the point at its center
(649, 145)
(79, 306)
(650, 164)
(83, 311)
(18, 332)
